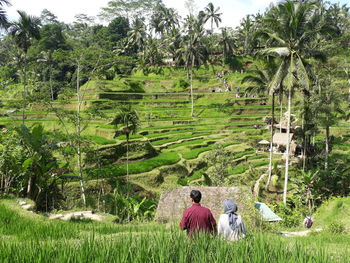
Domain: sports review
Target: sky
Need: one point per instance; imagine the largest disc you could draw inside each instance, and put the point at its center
(233, 10)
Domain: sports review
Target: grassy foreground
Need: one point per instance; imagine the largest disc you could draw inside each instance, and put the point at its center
(28, 237)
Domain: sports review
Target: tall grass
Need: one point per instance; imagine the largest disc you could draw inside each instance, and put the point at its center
(163, 246)
(26, 237)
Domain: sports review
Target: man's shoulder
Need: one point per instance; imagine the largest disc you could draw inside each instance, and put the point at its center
(206, 209)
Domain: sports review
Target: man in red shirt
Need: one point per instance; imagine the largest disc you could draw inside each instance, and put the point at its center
(197, 217)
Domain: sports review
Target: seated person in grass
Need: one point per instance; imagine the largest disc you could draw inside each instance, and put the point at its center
(230, 224)
(197, 218)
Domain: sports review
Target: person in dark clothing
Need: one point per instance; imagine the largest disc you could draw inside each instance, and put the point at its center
(197, 217)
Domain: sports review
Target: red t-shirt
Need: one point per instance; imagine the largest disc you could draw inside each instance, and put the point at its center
(197, 218)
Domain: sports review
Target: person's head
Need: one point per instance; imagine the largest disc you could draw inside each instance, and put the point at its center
(196, 196)
(230, 206)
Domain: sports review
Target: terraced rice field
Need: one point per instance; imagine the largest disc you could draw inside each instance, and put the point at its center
(164, 109)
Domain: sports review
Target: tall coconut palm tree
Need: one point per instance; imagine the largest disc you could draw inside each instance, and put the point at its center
(290, 29)
(137, 35)
(3, 16)
(246, 33)
(127, 122)
(227, 43)
(164, 19)
(328, 109)
(260, 83)
(24, 31)
(212, 13)
(192, 52)
(173, 43)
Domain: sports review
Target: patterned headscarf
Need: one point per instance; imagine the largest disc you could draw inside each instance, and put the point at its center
(230, 209)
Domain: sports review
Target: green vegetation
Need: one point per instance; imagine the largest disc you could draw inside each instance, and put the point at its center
(143, 166)
(334, 214)
(99, 140)
(107, 242)
(107, 116)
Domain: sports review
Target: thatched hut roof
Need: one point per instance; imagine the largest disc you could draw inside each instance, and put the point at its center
(281, 138)
(264, 142)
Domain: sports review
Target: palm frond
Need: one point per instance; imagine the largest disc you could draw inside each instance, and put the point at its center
(279, 51)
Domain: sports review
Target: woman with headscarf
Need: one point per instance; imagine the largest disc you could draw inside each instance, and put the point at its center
(230, 224)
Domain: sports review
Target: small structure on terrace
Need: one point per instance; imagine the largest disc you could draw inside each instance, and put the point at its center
(280, 143)
(264, 146)
(280, 136)
(173, 203)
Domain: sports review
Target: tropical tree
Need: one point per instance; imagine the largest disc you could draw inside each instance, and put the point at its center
(260, 83)
(164, 19)
(137, 35)
(127, 122)
(173, 42)
(24, 31)
(40, 162)
(48, 18)
(192, 51)
(211, 13)
(130, 9)
(3, 16)
(12, 155)
(328, 111)
(246, 33)
(227, 42)
(306, 187)
(153, 56)
(87, 63)
(290, 28)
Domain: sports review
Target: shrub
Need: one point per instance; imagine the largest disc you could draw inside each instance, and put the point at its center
(336, 228)
(182, 84)
(292, 217)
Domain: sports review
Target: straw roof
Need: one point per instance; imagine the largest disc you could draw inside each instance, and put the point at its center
(264, 142)
(281, 138)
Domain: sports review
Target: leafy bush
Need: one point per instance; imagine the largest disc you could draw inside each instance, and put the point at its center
(336, 228)
(129, 207)
(182, 84)
(292, 217)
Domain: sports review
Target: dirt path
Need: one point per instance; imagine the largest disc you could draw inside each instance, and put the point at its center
(299, 233)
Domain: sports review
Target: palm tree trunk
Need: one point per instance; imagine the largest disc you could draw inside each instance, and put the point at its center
(281, 111)
(192, 103)
(271, 140)
(29, 186)
(287, 149)
(223, 58)
(80, 165)
(24, 89)
(2, 183)
(50, 82)
(127, 159)
(327, 146)
(304, 153)
(304, 139)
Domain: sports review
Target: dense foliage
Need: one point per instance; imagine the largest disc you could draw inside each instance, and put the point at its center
(300, 56)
